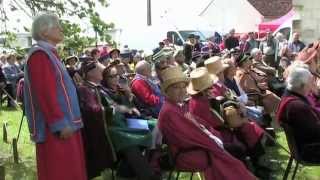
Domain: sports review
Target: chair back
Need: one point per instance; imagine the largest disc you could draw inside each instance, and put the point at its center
(291, 141)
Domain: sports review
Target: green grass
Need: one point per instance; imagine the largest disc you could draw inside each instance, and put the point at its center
(276, 158)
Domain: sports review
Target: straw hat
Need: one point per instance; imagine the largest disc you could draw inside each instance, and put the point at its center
(114, 50)
(215, 65)
(172, 75)
(200, 80)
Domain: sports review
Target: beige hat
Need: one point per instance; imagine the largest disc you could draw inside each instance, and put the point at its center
(215, 65)
(172, 75)
(200, 80)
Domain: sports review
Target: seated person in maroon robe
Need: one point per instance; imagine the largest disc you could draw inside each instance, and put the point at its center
(181, 130)
(246, 133)
(297, 112)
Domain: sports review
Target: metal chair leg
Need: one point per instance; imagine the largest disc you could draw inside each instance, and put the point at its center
(295, 170)
(178, 174)
(170, 174)
(286, 173)
(191, 176)
(112, 174)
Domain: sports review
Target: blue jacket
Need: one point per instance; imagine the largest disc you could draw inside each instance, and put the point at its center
(66, 94)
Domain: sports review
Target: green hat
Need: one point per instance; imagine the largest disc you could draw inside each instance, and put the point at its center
(163, 54)
(242, 58)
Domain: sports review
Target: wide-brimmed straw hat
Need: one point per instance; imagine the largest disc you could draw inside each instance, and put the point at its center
(215, 65)
(114, 50)
(200, 80)
(172, 75)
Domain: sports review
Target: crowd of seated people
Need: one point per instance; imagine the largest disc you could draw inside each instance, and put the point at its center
(220, 105)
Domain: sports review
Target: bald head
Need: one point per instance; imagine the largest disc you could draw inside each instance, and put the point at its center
(143, 68)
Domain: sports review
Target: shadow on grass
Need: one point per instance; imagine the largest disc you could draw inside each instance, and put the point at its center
(23, 170)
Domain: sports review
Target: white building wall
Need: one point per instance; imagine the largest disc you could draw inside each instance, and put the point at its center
(309, 23)
(224, 15)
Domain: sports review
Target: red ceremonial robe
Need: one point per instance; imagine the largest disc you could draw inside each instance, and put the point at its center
(56, 158)
(250, 132)
(182, 133)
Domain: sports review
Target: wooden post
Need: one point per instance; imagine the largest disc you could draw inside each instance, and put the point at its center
(5, 133)
(2, 173)
(15, 150)
(149, 21)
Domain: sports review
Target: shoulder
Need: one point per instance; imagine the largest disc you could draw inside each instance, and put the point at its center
(296, 104)
(139, 82)
(37, 56)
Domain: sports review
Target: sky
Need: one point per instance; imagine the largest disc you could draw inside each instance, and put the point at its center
(131, 17)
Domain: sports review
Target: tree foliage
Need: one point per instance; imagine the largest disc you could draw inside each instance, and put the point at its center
(9, 38)
(75, 40)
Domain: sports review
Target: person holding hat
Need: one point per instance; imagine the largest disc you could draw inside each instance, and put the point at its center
(199, 105)
(103, 146)
(181, 130)
(241, 137)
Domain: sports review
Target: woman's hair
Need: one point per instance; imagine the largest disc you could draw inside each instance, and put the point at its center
(298, 77)
(42, 23)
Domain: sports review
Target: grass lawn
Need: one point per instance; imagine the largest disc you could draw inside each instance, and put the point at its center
(276, 158)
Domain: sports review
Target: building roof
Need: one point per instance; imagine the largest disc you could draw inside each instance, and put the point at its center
(272, 8)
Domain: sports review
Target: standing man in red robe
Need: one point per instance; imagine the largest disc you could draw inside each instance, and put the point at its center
(52, 106)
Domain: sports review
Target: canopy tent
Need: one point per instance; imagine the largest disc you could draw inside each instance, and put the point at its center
(275, 24)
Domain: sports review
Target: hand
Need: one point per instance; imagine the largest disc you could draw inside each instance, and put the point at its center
(263, 86)
(135, 111)
(77, 78)
(66, 133)
(123, 109)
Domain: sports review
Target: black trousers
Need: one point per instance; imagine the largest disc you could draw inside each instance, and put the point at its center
(10, 90)
(137, 163)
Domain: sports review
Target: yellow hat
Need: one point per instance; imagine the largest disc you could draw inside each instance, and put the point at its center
(215, 65)
(172, 75)
(200, 80)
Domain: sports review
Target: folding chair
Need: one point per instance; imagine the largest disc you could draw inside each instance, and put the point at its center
(295, 154)
(173, 159)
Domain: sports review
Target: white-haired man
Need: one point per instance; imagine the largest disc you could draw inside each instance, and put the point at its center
(146, 90)
(258, 62)
(52, 106)
(296, 111)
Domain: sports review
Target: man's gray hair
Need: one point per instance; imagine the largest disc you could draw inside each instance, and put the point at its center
(254, 52)
(298, 77)
(141, 66)
(42, 23)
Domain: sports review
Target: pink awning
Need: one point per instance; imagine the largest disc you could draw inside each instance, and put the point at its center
(274, 24)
